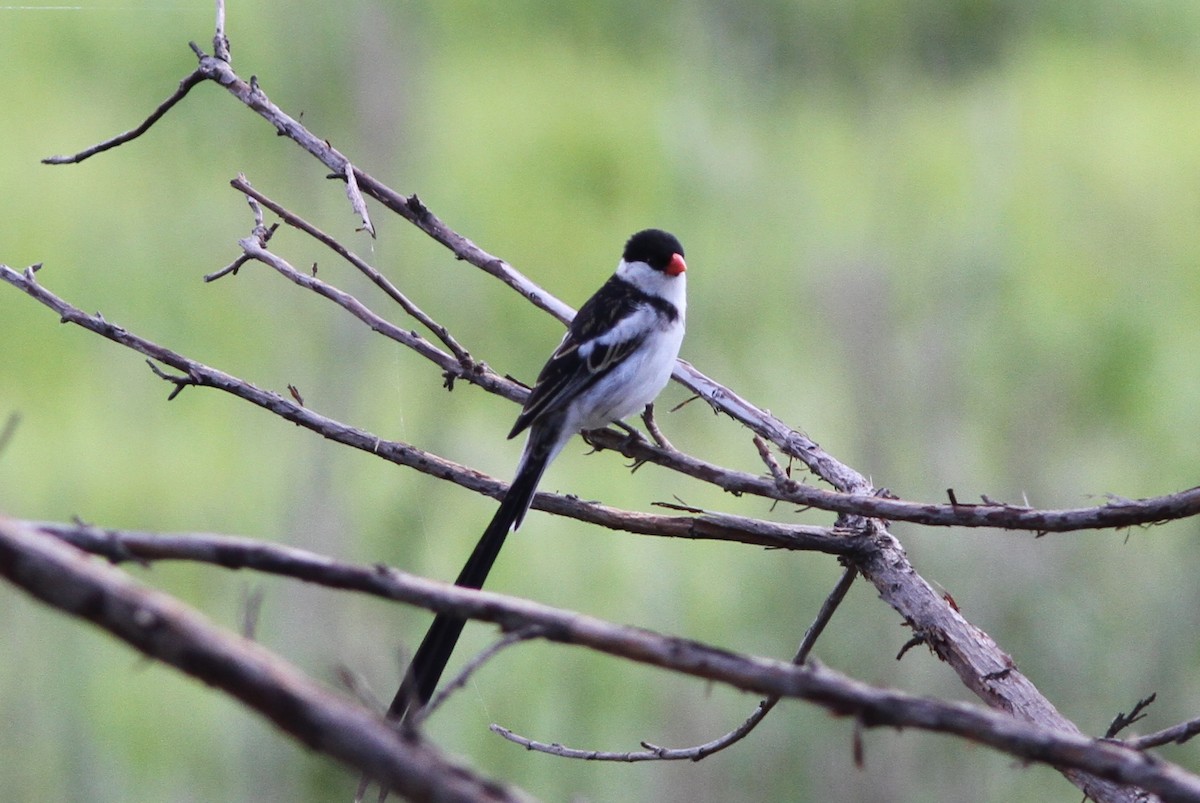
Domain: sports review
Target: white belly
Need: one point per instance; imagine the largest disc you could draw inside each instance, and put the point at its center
(631, 385)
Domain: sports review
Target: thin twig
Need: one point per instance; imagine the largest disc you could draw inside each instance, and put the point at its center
(232, 267)
(252, 601)
(357, 203)
(180, 382)
(777, 473)
(220, 40)
(857, 497)
(828, 607)
(1176, 734)
(814, 631)
(416, 718)
(475, 373)
(292, 219)
(185, 86)
(357, 685)
(260, 232)
(1122, 720)
(654, 752)
(655, 432)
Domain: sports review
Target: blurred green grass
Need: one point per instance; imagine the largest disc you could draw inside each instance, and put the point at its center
(954, 243)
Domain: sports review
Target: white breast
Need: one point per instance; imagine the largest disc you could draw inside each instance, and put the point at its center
(634, 383)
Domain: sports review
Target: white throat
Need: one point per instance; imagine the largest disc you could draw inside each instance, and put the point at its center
(656, 283)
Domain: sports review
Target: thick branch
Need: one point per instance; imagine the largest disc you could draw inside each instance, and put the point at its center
(120, 546)
(708, 526)
(155, 624)
(166, 630)
(858, 497)
(982, 666)
(1116, 513)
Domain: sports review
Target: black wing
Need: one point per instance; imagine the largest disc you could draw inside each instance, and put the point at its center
(567, 373)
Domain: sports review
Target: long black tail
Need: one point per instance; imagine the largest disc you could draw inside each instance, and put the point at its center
(434, 653)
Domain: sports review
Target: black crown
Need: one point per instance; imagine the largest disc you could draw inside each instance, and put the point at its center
(655, 247)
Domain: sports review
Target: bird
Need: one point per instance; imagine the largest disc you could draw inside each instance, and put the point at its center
(617, 355)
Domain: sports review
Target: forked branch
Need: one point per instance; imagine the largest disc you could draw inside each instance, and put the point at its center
(861, 538)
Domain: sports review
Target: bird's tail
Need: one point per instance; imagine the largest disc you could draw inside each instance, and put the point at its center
(434, 653)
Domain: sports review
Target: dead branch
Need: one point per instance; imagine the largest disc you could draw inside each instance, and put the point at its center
(857, 499)
(185, 86)
(166, 630)
(722, 527)
(873, 551)
(1176, 734)
(368, 270)
(654, 752)
(162, 628)
(472, 666)
(1115, 514)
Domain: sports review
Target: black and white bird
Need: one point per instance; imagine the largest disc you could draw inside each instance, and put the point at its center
(616, 356)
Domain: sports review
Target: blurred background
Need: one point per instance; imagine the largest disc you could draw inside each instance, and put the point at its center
(953, 242)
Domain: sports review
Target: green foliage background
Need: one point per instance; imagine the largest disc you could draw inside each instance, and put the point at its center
(954, 242)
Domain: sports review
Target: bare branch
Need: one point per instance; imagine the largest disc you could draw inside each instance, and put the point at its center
(368, 270)
(252, 600)
(654, 752)
(467, 368)
(357, 203)
(220, 40)
(1122, 720)
(764, 452)
(824, 615)
(1176, 734)
(470, 668)
(562, 751)
(164, 629)
(1113, 515)
(179, 94)
(230, 552)
(979, 662)
(655, 432)
(160, 627)
(409, 207)
(857, 498)
(720, 527)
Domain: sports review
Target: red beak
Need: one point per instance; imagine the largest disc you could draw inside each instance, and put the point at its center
(676, 266)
